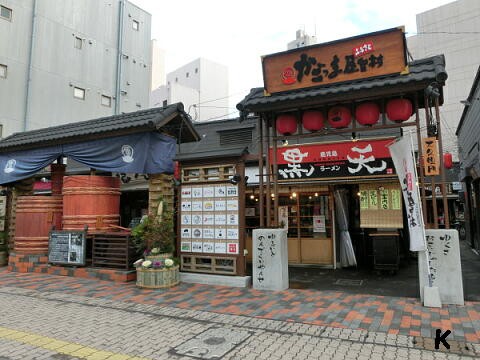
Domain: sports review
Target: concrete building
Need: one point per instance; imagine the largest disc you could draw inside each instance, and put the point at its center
(452, 29)
(158, 66)
(64, 61)
(202, 86)
(302, 39)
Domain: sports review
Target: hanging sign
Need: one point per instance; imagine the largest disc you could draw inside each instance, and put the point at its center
(334, 160)
(431, 160)
(348, 59)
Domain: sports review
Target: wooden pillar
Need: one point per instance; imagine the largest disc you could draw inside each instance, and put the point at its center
(275, 175)
(420, 156)
(442, 168)
(268, 198)
(242, 258)
(260, 172)
(434, 201)
(57, 173)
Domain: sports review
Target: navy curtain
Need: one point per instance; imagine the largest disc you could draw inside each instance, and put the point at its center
(144, 153)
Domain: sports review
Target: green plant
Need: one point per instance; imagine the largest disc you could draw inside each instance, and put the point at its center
(155, 232)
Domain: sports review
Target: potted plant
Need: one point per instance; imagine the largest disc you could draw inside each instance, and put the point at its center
(154, 238)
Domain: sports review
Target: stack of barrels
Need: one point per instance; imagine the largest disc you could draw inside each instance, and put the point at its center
(92, 201)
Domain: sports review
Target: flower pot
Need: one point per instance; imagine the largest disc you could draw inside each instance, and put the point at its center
(157, 278)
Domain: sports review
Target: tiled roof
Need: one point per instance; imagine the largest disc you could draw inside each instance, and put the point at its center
(172, 118)
(421, 73)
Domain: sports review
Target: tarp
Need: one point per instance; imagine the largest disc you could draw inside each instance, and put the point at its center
(143, 153)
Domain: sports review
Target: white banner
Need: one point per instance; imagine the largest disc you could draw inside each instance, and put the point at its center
(404, 162)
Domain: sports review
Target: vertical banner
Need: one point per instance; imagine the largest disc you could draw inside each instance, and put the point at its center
(403, 160)
(431, 161)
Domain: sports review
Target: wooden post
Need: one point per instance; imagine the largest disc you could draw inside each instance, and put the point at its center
(420, 157)
(275, 175)
(268, 199)
(242, 259)
(442, 169)
(434, 201)
(260, 171)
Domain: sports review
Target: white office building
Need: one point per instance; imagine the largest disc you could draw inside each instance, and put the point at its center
(63, 61)
(302, 39)
(202, 86)
(454, 30)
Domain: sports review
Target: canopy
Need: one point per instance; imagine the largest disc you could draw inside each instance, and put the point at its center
(143, 153)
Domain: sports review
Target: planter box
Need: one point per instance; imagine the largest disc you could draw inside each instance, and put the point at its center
(159, 257)
(158, 278)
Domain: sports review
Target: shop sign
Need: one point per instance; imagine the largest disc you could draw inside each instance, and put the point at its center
(348, 59)
(431, 164)
(335, 160)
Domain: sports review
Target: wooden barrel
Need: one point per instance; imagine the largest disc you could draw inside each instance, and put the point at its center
(35, 216)
(91, 200)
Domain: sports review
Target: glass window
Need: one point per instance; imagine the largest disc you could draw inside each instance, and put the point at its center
(3, 71)
(6, 13)
(135, 25)
(79, 93)
(106, 101)
(187, 74)
(78, 42)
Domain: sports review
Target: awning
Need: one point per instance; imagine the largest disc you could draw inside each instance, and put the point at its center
(143, 153)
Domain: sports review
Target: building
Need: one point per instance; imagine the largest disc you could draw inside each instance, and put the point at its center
(158, 66)
(452, 30)
(202, 86)
(66, 61)
(468, 133)
(302, 39)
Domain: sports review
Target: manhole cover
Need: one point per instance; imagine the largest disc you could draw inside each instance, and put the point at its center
(348, 282)
(212, 343)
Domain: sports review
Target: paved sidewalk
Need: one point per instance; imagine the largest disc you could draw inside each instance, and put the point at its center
(392, 315)
(54, 325)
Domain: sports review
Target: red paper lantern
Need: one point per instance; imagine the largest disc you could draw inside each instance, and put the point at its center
(339, 117)
(312, 120)
(286, 124)
(399, 110)
(367, 113)
(447, 160)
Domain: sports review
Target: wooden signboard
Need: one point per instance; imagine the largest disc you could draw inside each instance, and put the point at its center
(431, 163)
(67, 247)
(359, 57)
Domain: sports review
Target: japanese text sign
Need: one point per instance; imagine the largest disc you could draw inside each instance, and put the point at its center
(334, 160)
(431, 161)
(354, 58)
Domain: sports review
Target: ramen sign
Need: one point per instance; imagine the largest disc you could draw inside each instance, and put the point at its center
(363, 56)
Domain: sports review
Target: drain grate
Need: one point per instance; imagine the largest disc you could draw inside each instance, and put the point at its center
(212, 343)
(348, 282)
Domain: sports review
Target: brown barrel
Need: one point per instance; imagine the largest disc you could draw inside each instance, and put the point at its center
(35, 216)
(92, 201)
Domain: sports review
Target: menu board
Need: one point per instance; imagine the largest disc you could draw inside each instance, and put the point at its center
(67, 247)
(209, 219)
(380, 205)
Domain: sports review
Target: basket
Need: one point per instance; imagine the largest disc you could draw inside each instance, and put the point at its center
(159, 257)
(158, 278)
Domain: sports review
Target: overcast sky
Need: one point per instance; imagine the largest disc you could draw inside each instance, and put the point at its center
(237, 33)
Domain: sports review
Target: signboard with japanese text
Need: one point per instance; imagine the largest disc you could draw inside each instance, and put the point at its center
(445, 266)
(67, 247)
(209, 219)
(335, 160)
(385, 210)
(431, 161)
(362, 56)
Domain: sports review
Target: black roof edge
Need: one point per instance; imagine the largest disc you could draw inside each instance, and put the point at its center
(217, 153)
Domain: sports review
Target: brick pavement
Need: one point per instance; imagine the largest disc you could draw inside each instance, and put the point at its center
(400, 326)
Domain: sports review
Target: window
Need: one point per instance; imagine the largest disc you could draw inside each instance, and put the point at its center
(187, 74)
(196, 70)
(3, 71)
(135, 25)
(5, 12)
(106, 101)
(176, 79)
(78, 42)
(79, 93)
